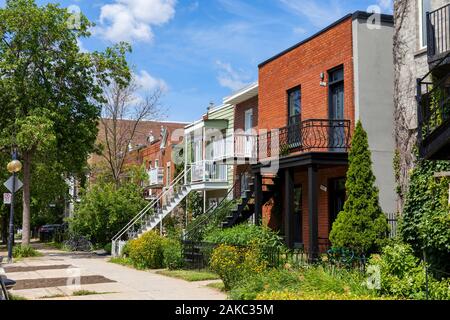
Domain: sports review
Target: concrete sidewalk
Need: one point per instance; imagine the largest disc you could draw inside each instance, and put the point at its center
(128, 283)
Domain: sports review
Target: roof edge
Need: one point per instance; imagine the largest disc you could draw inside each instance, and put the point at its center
(362, 15)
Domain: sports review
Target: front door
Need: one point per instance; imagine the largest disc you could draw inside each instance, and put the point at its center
(337, 198)
(336, 110)
(294, 118)
(298, 213)
(248, 145)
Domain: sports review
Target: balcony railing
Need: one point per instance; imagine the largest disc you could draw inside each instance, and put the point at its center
(438, 33)
(433, 110)
(208, 171)
(307, 136)
(156, 177)
(236, 146)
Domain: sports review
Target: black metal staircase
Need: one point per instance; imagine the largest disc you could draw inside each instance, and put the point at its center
(244, 210)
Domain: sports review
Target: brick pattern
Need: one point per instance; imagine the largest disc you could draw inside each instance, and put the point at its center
(147, 156)
(302, 67)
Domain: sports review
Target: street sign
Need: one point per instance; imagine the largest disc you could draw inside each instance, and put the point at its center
(7, 198)
(9, 184)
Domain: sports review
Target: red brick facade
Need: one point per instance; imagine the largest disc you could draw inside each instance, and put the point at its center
(302, 67)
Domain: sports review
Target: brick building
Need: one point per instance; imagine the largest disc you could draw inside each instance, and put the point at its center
(309, 99)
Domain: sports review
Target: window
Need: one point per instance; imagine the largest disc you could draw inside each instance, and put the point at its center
(294, 106)
(248, 125)
(424, 7)
(156, 163)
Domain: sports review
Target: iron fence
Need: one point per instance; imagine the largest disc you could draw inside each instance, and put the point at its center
(438, 33)
(306, 136)
(392, 221)
(197, 256)
(434, 105)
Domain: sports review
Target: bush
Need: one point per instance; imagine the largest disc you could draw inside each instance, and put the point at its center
(274, 280)
(25, 252)
(173, 254)
(426, 221)
(361, 226)
(233, 264)
(108, 248)
(304, 284)
(287, 295)
(104, 210)
(403, 275)
(147, 252)
(247, 235)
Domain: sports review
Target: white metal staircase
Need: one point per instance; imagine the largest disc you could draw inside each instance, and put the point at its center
(153, 214)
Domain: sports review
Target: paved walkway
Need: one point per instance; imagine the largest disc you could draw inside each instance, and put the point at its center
(114, 282)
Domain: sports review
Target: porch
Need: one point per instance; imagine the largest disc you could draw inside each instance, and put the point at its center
(311, 190)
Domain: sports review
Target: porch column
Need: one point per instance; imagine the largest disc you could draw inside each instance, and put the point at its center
(313, 212)
(258, 198)
(288, 201)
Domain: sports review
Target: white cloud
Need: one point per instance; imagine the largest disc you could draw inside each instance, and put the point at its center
(299, 30)
(132, 20)
(318, 13)
(147, 82)
(385, 5)
(81, 46)
(230, 78)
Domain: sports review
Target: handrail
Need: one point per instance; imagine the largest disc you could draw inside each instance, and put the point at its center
(149, 206)
(212, 209)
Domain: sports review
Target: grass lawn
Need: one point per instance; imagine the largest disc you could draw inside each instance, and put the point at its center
(189, 275)
(122, 261)
(217, 285)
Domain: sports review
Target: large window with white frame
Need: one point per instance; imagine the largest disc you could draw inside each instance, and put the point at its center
(424, 7)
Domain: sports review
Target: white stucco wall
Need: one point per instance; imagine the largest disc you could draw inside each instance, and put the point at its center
(374, 101)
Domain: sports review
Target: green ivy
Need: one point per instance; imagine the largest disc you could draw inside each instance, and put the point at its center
(425, 223)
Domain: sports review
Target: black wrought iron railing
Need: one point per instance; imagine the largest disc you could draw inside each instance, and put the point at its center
(433, 105)
(306, 136)
(438, 33)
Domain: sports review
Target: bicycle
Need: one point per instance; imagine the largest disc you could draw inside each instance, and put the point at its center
(5, 283)
(78, 243)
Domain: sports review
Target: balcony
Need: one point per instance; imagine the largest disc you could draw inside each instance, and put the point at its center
(313, 135)
(209, 175)
(438, 35)
(156, 177)
(236, 147)
(434, 118)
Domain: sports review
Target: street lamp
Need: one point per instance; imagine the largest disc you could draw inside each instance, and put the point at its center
(13, 167)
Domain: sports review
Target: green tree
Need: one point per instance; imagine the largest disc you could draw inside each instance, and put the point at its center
(425, 223)
(361, 226)
(50, 92)
(105, 209)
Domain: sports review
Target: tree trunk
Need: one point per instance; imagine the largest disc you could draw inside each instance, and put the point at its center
(26, 198)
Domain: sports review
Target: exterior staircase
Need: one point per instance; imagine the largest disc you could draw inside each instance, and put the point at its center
(152, 215)
(244, 210)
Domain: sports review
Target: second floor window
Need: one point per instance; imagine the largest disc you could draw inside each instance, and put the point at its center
(294, 106)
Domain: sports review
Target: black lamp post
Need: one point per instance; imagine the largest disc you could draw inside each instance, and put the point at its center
(13, 167)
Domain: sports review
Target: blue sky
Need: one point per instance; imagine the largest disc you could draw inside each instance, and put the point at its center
(203, 50)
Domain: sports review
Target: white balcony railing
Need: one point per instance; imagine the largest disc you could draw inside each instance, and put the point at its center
(236, 146)
(156, 176)
(209, 171)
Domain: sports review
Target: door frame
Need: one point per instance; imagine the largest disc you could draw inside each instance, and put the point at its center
(299, 186)
(331, 194)
(330, 84)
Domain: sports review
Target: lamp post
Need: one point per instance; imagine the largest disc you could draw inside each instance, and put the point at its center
(13, 167)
